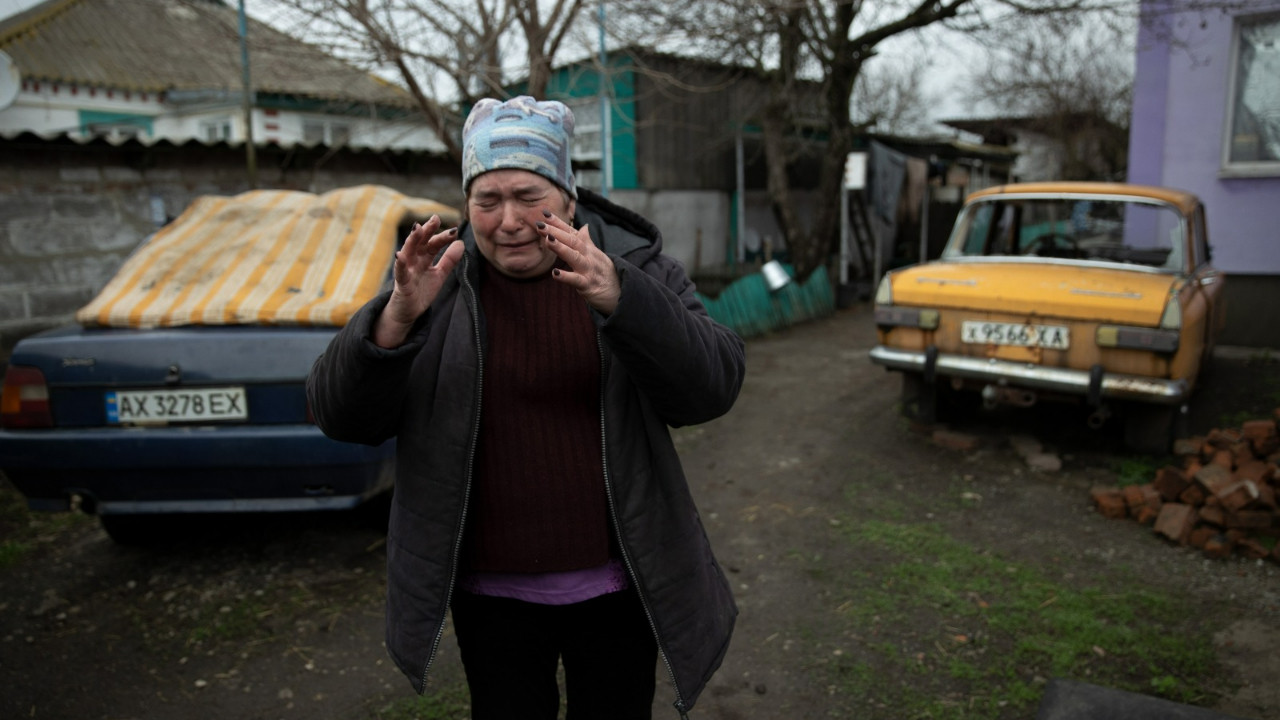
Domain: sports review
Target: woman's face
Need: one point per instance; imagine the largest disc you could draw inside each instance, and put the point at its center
(504, 207)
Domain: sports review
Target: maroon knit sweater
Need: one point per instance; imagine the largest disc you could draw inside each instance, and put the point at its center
(538, 495)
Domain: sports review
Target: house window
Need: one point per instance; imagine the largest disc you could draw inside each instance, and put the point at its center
(325, 132)
(312, 132)
(117, 126)
(1252, 144)
(339, 134)
(215, 129)
(586, 128)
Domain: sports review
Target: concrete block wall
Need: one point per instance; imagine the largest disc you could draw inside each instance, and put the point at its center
(71, 213)
(694, 223)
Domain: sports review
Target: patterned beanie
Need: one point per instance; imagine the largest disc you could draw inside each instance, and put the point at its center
(521, 133)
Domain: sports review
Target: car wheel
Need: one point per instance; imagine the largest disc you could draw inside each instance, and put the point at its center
(936, 402)
(1151, 429)
(136, 529)
(919, 399)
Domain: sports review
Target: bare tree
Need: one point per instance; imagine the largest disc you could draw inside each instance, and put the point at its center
(543, 37)
(832, 42)
(889, 96)
(447, 53)
(1073, 85)
(792, 42)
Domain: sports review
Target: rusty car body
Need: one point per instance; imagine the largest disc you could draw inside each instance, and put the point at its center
(1094, 293)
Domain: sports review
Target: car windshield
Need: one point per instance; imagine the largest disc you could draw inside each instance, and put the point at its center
(1115, 230)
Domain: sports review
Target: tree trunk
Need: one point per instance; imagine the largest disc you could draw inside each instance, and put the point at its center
(773, 123)
(839, 88)
(437, 119)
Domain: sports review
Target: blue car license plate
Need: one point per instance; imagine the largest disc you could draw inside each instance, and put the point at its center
(188, 405)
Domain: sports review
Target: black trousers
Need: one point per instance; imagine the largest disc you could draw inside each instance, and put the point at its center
(510, 650)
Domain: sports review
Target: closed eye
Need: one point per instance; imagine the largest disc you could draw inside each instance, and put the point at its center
(531, 198)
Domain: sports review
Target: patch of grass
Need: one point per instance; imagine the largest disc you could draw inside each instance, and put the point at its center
(1236, 419)
(885, 508)
(241, 617)
(1135, 470)
(445, 702)
(239, 620)
(22, 531)
(983, 634)
(1262, 357)
(12, 551)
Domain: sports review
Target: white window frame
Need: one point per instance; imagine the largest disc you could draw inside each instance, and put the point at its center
(1232, 167)
(331, 129)
(337, 133)
(217, 129)
(586, 129)
(115, 131)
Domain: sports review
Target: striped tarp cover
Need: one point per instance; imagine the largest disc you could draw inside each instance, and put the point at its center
(273, 257)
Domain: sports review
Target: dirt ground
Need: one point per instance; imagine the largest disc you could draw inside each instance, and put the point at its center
(281, 617)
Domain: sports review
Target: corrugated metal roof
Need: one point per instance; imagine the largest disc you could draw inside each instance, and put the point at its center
(159, 45)
(62, 137)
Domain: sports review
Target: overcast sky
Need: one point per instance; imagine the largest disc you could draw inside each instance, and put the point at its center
(9, 7)
(942, 83)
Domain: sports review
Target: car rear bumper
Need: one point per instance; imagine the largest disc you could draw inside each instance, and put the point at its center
(194, 470)
(1095, 384)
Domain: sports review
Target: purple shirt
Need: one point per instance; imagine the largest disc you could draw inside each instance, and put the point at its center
(553, 588)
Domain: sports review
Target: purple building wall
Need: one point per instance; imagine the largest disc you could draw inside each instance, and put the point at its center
(1180, 109)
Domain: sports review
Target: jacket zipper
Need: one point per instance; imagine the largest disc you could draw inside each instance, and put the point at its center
(622, 545)
(471, 452)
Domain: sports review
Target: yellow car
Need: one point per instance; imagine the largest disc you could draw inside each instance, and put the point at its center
(1097, 293)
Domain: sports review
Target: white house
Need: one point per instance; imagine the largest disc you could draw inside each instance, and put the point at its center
(171, 70)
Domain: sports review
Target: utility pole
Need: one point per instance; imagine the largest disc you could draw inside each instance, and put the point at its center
(606, 126)
(250, 159)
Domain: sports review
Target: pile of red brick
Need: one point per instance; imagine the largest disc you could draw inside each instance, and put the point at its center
(1222, 499)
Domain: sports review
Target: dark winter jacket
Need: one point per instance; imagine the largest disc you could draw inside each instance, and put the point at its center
(664, 362)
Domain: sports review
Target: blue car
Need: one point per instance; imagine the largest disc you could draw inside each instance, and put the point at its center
(164, 398)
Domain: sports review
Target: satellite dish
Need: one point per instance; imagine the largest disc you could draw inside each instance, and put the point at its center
(10, 81)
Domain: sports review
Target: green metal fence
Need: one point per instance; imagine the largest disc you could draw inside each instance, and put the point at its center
(750, 308)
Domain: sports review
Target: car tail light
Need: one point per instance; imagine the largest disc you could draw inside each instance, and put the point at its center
(1135, 338)
(890, 316)
(24, 402)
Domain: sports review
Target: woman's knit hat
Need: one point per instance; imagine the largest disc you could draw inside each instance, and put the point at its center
(521, 133)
